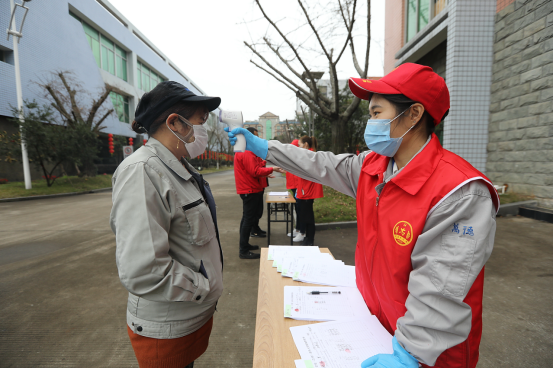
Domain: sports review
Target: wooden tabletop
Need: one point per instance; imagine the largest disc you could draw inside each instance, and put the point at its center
(269, 199)
(273, 343)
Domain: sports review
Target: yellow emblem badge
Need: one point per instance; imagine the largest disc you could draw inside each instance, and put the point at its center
(403, 233)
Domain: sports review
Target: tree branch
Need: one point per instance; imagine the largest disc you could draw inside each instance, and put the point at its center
(97, 125)
(96, 105)
(315, 32)
(58, 104)
(286, 40)
(299, 88)
(317, 95)
(74, 106)
(349, 28)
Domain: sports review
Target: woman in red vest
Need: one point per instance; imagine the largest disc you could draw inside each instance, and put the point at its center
(426, 219)
(306, 193)
(291, 184)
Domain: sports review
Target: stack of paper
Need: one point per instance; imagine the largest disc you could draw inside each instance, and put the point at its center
(341, 344)
(328, 273)
(293, 264)
(278, 193)
(333, 303)
(277, 253)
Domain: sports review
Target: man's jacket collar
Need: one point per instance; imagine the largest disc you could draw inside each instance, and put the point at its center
(167, 157)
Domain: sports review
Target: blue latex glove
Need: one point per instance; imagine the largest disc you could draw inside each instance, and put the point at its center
(399, 359)
(255, 144)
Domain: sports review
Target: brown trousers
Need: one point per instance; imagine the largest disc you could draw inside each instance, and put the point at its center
(170, 353)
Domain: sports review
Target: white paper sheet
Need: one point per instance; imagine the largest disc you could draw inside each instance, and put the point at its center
(279, 252)
(293, 263)
(327, 273)
(278, 193)
(341, 344)
(300, 305)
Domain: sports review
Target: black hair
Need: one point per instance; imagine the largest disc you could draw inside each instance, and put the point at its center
(252, 130)
(402, 103)
(311, 141)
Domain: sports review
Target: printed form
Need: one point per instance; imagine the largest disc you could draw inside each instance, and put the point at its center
(326, 306)
(340, 344)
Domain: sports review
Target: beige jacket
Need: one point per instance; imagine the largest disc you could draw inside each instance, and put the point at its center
(167, 253)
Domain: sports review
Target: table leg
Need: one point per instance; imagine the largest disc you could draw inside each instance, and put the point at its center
(291, 222)
(268, 223)
(287, 218)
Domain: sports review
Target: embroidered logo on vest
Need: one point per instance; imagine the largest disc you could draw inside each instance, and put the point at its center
(402, 233)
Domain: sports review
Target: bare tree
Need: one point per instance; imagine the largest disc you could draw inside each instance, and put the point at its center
(76, 106)
(300, 77)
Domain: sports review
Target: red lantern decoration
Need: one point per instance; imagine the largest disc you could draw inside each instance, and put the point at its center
(144, 141)
(130, 141)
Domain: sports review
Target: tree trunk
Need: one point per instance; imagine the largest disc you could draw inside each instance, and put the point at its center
(337, 136)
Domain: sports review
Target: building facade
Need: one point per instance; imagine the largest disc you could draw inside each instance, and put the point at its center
(496, 58)
(95, 42)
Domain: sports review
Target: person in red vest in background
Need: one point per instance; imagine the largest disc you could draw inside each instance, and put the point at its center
(256, 231)
(250, 181)
(306, 193)
(291, 183)
(426, 219)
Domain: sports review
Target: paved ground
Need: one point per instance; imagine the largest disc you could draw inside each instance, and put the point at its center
(61, 303)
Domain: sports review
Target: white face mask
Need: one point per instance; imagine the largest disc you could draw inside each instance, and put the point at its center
(200, 135)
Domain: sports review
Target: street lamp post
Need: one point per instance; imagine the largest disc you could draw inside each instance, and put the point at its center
(12, 30)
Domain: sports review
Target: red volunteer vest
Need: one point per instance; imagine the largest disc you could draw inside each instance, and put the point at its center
(388, 228)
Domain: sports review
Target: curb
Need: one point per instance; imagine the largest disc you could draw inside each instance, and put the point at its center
(506, 209)
(39, 197)
(537, 213)
(513, 208)
(333, 226)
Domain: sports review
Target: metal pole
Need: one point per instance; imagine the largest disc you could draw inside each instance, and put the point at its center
(25, 158)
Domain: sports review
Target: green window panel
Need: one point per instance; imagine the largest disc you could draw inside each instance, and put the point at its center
(120, 52)
(268, 130)
(139, 77)
(111, 62)
(91, 31)
(121, 67)
(423, 14)
(95, 47)
(145, 81)
(411, 27)
(104, 58)
(121, 106)
(107, 42)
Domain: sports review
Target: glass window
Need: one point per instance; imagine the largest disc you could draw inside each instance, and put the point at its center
(121, 106)
(108, 56)
(147, 78)
(419, 14)
(139, 76)
(423, 14)
(411, 27)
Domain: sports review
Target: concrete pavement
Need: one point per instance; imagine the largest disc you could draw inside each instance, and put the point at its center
(62, 304)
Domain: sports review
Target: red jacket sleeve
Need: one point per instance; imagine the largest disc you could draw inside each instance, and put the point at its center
(255, 167)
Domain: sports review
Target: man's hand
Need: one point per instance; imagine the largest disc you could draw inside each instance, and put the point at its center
(278, 170)
(271, 176)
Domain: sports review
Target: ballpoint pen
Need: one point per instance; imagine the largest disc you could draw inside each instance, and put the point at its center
(320, 292)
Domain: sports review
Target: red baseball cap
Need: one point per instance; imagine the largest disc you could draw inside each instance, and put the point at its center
(416, 82)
